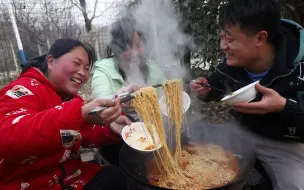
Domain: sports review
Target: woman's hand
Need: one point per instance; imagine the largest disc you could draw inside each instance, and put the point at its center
(127, 89)
(105, 117)
(119, 124)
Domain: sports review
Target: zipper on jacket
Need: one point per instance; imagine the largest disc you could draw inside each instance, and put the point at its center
(282, 76)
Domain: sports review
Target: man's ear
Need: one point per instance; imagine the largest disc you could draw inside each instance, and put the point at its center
(262, 38)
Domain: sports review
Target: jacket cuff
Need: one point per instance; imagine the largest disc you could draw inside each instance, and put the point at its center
(291, 109)
(110, 135)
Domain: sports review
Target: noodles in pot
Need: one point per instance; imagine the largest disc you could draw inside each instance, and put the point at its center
(207, 166)
(191, 167)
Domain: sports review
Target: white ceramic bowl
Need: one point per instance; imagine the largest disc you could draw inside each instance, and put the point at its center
(245, 94)
(186, 104)
(137, 137)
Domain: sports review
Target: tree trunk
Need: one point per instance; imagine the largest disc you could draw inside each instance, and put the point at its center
(87, 21)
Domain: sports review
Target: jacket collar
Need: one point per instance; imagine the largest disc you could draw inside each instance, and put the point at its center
(36, 74)
(109, 67)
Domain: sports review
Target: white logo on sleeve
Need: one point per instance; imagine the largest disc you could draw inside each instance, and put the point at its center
(17, 119)
(66, 156)
(21, 110)
(24, 185)
(75, 174)
(69, 137)
(34, 83)
(18, 91)
(29, 160)
(58, 107)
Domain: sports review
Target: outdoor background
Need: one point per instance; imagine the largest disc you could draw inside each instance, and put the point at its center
(41, 22)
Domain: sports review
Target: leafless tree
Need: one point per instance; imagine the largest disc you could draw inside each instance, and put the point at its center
(82, 6)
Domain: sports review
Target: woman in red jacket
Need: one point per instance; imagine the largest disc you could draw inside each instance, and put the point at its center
(44, 122)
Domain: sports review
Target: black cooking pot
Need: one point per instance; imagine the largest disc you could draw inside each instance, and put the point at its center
(133, 162)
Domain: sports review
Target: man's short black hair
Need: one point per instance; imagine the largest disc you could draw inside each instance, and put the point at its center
(252, 16)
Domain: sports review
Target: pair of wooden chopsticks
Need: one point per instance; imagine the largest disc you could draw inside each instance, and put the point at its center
(124, 98)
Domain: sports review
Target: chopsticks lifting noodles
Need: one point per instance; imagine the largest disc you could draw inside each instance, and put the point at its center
(123, 98)
(157, 85)
(102, 108)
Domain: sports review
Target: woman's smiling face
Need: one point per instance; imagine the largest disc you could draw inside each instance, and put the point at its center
(69, 72)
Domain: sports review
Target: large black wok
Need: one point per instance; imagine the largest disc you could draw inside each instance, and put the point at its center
(133, 162)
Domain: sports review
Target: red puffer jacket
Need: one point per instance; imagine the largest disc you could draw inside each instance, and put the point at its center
(40, 136)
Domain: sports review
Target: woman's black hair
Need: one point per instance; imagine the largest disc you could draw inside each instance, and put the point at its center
(122, 34)
(59, 48)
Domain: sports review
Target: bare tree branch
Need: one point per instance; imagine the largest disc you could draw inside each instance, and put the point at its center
(66, 8)
(82, 6)
(94, 12)
(74, 2)
(113, 3)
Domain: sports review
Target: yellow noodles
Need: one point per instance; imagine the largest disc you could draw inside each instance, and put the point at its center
(207, 166)
(173, 90)
(193, 167)
(147, 106)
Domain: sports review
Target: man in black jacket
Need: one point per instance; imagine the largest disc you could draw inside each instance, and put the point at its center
(260, 46)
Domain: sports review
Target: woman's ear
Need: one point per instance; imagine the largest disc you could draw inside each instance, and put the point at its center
(50, 61)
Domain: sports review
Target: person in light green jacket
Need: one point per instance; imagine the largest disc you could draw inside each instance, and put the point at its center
(108, 80)
(128, 67)
(125, 70)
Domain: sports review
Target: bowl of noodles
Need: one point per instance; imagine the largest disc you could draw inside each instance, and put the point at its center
(185, 100)
(138, 137)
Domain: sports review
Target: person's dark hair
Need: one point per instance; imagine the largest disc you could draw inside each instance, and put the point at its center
(109, 52)
(252, 16)
(121, 34)
(59, 48)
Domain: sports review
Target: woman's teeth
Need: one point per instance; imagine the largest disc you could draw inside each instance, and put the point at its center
(76, 80)
(228, 54)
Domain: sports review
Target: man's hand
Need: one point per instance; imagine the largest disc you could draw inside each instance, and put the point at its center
(271, 102)
(198, 89)
(119, 124)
